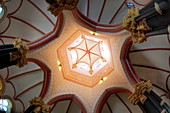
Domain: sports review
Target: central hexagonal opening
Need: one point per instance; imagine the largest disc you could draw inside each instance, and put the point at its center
(85, 58)
(87, 55)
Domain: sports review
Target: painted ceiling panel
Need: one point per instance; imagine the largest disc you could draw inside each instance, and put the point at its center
(14, 5)
(95, 9)
(160, 41)
(22, 30)
(31, 93)
(116, 104)
(66, 106)
(119, 103)
(83, 6)
(14, 70)
(107, 11)
(74, 108)
(30, 21)
(25, 83)
(30, 79)
(157, 77)
(118, 19)
(153, 58)
(61, 107)
(4, 25)
(110, 11)
(124, 98)
(151, 61)
(105, 109)
(34, 16)
(8, 39)
(43, 6)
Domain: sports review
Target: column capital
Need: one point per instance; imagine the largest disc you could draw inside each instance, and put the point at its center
(136, 28)
(140, 89)
(59, 5)
(41, 106)
(20, 55)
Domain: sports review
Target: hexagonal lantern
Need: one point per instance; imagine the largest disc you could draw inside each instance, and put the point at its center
(85, 58)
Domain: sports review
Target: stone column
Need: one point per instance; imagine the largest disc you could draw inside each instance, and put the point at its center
(13, 54)
(153, 19)
(154, 8)
(159, 31)
(147, 100)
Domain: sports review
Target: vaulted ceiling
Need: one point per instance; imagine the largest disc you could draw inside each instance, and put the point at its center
(45, 34)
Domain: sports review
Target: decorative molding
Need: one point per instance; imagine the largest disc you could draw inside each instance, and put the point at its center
(126, 62)
(20, 55)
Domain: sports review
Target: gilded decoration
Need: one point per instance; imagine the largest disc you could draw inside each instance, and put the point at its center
(137, 29)
(41, 106)
(20, 55)
(140, 89)
(59, 5)
(2, 86)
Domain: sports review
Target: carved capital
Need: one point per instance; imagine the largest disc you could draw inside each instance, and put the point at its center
(136, 29)
(20, 55)
(41, 106)
(140, 89)
(59, 5)
(128, 21)
(14, 56)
